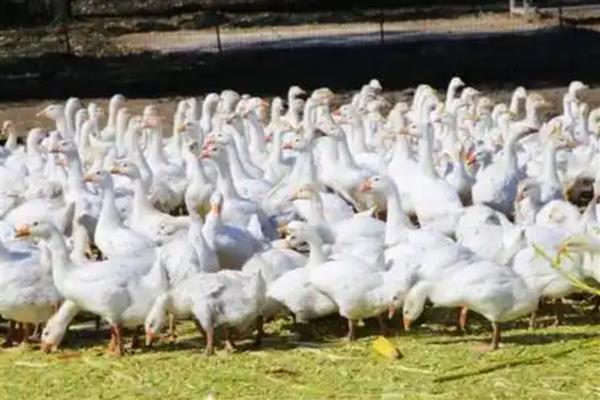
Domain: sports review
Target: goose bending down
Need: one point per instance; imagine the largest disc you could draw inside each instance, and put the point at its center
(111, 236)
(234, 246)
(232, 300)
(28, 293)
(121, 291)
(494, 291)
(293, 289)
(144, 217)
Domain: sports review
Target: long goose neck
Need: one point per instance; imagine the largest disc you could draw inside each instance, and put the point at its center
(514, 104)
(316, 255)
(256, 133)
(425, 152)
(75, 175)
(397, 220)
(156, 146)
(195, 170)
(532, 115)
(358, 133)
(11, 140)
(109, 213)
(225, 181)
(237, 169)
(61, 264)
(450, 94)
(510, 152)
(61, 126)
(141, 203)
(549, 173)
(276, 149)
(344, 151)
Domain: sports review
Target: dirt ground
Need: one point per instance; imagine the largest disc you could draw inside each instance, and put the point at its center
(100, 32)
(24, 113)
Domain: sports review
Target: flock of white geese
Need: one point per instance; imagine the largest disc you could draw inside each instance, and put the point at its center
(249, 210)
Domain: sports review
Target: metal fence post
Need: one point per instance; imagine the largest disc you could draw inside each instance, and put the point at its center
(381, 32)
(218, 31)
(560, 16)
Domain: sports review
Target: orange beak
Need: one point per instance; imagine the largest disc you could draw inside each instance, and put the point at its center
(62, 162)
(268, 138)
(287, 146)
(54, 150)
(215, 209)
(365, 186)
(407, 324)
(115, 170)
(46, 347)
(391, 312)
(22, 231)
(470, 157)
(205, 154)
(150, 337)
(88, 178)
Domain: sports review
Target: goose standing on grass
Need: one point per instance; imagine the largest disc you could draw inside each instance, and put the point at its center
(121, 290)
(494, 291)
(28, 293)
(228, 299)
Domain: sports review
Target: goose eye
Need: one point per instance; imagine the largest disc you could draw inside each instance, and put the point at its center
(35, 223)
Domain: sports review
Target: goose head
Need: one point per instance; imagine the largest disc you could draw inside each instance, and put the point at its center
(216, 203)
(376, 86)
(8, 128)
(374, 184)
(156, 319)
(297, 233)
(35, 137)
(229, 100)
(36, 229)
(295, 92)
(65, 147)
(53, 111)
(126, 168)
(528, 189)
(455, 83)
(576, 87)
(99, 177)
(53, 334)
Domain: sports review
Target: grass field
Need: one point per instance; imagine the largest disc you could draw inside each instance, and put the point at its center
(548, 363)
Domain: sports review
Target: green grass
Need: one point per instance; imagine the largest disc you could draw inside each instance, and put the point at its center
(548, 363)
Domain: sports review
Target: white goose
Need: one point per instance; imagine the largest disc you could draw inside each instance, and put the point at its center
(111, 236)
(121, 291)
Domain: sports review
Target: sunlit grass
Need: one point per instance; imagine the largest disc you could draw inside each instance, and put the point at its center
(552, 362)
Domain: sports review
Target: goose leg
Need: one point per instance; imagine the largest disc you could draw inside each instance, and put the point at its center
(533, 320)
(136, 343)
(118, 335)
(35, 336)
(210, 335)
(462, 319)
(172, 333)
(10, 334)
(496, 338)
(112, 342)
(260, 332)
(351, 328)
(199, 327)
(27, 331)
(558, 312)
(229, 345)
